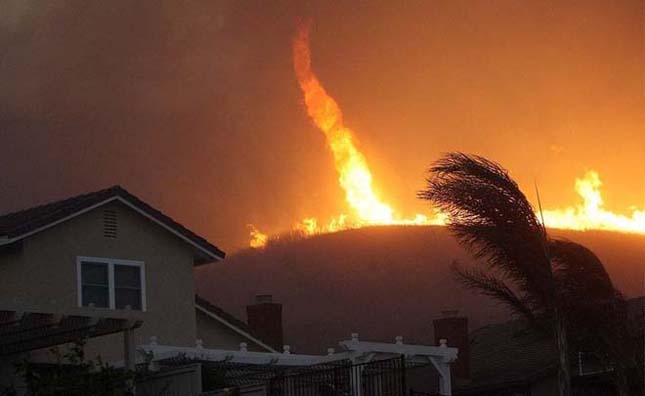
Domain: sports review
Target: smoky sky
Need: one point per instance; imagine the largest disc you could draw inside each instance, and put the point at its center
(193, 106)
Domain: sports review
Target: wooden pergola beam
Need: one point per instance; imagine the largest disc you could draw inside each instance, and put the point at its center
(23, 332)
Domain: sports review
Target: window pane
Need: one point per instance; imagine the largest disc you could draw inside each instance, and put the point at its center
(94, 273)
(127, 276)
(97, 295)
(125, 297)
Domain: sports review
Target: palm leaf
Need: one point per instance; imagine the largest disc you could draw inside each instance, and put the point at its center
(492, 218)
(492, 286)
(595, 309)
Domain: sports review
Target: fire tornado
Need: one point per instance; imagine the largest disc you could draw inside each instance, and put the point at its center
(354, 175)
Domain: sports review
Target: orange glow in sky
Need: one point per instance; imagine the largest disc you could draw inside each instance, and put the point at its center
(368, 207)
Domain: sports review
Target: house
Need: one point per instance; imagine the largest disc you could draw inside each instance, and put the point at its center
(110, 268)
(107, 256)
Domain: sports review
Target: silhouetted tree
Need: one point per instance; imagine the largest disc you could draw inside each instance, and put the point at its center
(597, 314)
(556, 285)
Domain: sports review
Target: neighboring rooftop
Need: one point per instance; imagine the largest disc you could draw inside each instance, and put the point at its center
(233, 322)
(508, 353)
(18, 225)
(636, 308)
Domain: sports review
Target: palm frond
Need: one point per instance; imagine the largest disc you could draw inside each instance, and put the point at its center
(492, 286)
(492, 218)
(554, 279)
(594, 308)
(579, 272)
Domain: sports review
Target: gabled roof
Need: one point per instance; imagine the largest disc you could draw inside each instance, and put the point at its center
(235, 324)
(21, 224)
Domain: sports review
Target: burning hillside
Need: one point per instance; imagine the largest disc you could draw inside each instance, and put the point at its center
(368, 207)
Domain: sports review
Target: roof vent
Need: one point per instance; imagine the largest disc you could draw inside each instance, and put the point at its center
(110, 223)
(263, 298)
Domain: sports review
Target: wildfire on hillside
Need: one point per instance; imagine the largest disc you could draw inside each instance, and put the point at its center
(591, 214)
(368, 207)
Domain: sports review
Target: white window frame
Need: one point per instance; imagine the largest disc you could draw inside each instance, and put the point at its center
(111, 286)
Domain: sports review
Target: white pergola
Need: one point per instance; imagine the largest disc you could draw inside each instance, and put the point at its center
(352, 350)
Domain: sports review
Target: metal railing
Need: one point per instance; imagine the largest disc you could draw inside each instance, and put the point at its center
(378, 378)
(387, 377)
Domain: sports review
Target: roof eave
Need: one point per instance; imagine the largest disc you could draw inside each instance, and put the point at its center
(203, 260)
(205, 310)
(202, 255)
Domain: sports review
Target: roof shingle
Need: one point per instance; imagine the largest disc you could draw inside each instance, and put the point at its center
(507, 353)
(23, 222)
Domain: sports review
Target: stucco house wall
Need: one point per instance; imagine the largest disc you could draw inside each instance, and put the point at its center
(42, 275)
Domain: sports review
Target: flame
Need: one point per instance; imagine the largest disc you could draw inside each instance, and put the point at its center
(368, 208)
(258, 239)
(354, 174)
(591, 214)
(308, 226)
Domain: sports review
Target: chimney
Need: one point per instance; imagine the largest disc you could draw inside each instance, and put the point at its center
(454, 328)
(264, 319)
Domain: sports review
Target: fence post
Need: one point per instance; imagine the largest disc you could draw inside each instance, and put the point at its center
(403, 379)
(357, 379)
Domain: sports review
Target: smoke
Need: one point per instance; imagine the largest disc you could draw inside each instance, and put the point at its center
(176, 103)
(15, 13)
(194, 107)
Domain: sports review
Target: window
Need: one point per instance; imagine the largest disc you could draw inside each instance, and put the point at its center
(127, 286)
(95, 284)
(111, 283)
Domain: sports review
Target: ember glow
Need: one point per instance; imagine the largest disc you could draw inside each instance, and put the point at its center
(369, 208)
